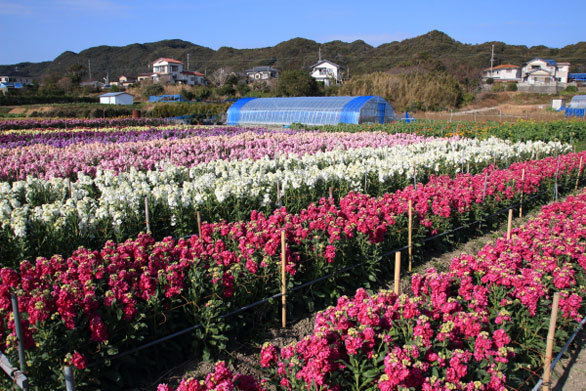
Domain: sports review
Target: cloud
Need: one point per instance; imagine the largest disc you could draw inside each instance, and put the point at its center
(9, 8)
(372, 39)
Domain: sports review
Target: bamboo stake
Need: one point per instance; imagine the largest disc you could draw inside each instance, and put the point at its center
(198, 215)
(397, 271)
(510, 224)
(331, 191)
(283, 282)
(410, 235)
(522, 192)
(278, 194)
(579, 173)
(550, 340)
(146, 214)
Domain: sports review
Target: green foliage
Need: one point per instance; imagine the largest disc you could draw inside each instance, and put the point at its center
(497, 87)
(571, 89)
(153, 89)
(203, 110)
(17, 100)
(297, 83)
(567, 131)
(490, 80)
(512, 87)
(75, 73)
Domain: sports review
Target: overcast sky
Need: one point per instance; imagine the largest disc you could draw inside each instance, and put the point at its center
(40, 30)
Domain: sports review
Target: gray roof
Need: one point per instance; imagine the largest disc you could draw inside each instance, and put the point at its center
(262, 68)
(115, 94)
(322, 61)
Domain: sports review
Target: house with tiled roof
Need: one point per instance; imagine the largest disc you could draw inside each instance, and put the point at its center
(540, 71)
(503, 73)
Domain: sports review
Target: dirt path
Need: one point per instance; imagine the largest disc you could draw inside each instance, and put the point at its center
(570, 372)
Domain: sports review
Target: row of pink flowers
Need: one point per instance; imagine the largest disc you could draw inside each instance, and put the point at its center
(453, 332)
(94, 293)
(45, 161)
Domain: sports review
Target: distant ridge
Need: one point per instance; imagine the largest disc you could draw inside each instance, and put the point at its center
(300, 53)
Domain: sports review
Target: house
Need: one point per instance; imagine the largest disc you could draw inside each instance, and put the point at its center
(262, 73)
(327, 72)
(116, 98)
(171, 71)
(545, 72)
(503, 73)
(124, 81)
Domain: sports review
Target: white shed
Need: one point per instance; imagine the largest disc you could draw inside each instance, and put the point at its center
(117, 98)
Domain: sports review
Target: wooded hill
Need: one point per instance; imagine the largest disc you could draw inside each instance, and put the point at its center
(434, 49)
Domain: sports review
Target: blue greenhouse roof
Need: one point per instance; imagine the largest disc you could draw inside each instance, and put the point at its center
(310, 110)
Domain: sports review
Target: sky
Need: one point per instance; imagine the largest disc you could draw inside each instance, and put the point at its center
(40, 30)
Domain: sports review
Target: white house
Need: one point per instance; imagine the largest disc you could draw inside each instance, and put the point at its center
(541, 72)
(262, 73)
(171, 71)
(16, 78)
(116, 98)
(327, 72)
(505, 72)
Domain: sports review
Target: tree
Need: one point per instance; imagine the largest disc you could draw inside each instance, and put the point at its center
(297, 83)
(75, 73)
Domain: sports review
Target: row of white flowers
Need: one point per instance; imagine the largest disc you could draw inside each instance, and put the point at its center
(115, 203)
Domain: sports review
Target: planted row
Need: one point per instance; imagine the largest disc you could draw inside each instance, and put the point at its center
(47, 161)
(95, 304)
(42, 217)
(481, 326)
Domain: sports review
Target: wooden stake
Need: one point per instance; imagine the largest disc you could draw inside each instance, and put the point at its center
(510, 224)
(278, 195)
(484, 189)
(146, 214)
(550, 340)
(410, 235)
(397, 271)
(522, 192)
(331, 191)
(283, 282)
(198, 223)
(579, 173)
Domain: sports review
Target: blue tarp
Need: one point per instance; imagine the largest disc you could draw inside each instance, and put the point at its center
(577, 76)
(574, 112)
(167, 98)
(310, 110)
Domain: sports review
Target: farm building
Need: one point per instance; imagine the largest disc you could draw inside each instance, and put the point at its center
(329, 110)
(116, 98)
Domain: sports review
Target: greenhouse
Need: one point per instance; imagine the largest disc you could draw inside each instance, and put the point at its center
(329, 110)
(578, 102)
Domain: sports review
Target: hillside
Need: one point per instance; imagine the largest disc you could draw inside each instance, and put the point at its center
(434, 47)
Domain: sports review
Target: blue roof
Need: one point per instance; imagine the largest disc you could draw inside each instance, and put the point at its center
(310, 110)
(550, 62)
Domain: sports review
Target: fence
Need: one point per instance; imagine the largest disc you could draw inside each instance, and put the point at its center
(19, 376)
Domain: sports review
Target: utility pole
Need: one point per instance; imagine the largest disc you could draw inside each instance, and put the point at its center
(187, 61)
(89, 68)
(491, 60)
(319, 54)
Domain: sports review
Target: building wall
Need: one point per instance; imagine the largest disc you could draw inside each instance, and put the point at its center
(325, 72)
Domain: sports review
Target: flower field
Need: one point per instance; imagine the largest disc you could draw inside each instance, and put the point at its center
(62, 189)
(477, 327)
(85, 187)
